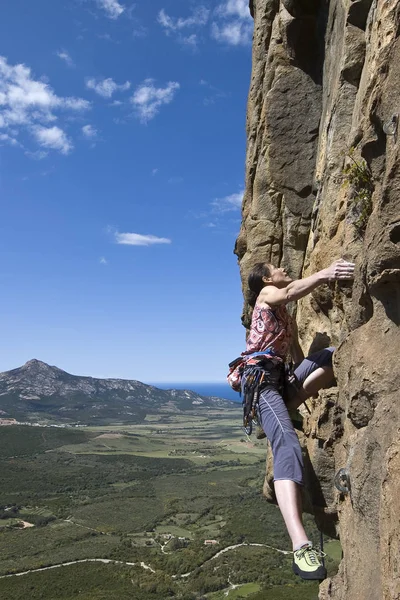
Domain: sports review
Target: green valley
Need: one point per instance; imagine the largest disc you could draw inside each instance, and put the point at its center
(171, 507)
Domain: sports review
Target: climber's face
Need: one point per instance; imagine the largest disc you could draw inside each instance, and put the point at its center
(278, 277)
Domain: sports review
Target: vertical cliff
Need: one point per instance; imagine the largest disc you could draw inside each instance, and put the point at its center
(323, 181)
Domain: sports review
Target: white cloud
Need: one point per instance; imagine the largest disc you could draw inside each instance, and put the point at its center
(63, 54)
(20, 94)
(191, 41)
(89, 131)
(199, 18)
(235, 33)
(176, 25)
(214, 95)
(106, 87)
(76, 104)
(136, 239)
(30, 104)
(103, 261)
(154, 172)
(112, 8)
(148, 99)
(233, 23)
(4, 137)
(139, 31)
(53, 137)
(37, 155)
(228, 203)
(235, 8)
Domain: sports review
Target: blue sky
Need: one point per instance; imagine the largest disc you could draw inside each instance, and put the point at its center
(122, 149)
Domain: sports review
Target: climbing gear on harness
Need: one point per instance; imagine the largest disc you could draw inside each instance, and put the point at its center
(255, 377)
(307, 564)
(235, 373)
(249, 375)
(259, 371)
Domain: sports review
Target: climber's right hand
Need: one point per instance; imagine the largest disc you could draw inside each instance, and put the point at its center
(340, 270)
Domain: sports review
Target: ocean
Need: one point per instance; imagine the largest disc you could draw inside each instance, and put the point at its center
(221, 390)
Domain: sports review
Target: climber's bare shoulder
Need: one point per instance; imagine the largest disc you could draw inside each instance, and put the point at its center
(271, 296)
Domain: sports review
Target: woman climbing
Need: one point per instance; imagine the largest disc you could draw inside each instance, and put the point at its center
(272, 336)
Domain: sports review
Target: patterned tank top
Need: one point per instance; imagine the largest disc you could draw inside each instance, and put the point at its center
(271, 329)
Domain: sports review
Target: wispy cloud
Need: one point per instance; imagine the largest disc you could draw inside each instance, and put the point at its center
(89, 131)
(103, 261)
(235, 8)
(232, 23)
(137, 239)
(8, 139)
(139, 31)
(29, 104)
(53, 137)
(63, 54)
(227, 203)
(191, 41)
(178, 25)
(154, 172)
(148, 99)
(112, 8)
(106, 87)
(198, 18)
(175, 180)
(214, 93)
(37, 155)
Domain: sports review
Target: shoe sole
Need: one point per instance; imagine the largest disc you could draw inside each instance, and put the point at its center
(319, 574)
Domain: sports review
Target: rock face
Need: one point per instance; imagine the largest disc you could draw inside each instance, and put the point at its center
(323, 181)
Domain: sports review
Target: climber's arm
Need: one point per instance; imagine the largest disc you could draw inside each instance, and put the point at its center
(274, 296)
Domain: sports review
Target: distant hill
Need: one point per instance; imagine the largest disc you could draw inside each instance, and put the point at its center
(39, 392)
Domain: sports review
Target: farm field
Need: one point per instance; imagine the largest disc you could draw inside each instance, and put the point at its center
(143, 512)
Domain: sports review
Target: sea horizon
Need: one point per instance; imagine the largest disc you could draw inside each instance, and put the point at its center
(219, 389)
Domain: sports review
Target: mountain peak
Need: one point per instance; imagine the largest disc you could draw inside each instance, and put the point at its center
(38, 391)
(34, 362)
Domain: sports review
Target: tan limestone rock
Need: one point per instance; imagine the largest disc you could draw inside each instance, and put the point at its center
(326, 78)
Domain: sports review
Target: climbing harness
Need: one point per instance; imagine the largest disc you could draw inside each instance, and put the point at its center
(249, 375)
(259, 371)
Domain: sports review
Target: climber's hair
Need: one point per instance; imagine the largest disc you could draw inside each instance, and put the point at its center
(255, 281)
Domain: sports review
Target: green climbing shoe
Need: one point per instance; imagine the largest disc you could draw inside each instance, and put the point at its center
(307, 564)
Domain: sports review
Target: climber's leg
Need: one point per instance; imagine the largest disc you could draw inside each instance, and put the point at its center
(288, 461)
(278, 427)
(288, 495)
(314, 373)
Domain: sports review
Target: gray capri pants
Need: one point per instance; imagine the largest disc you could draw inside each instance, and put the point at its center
(278, 427)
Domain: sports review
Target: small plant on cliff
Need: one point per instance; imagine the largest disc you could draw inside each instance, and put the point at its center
(357, 175)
